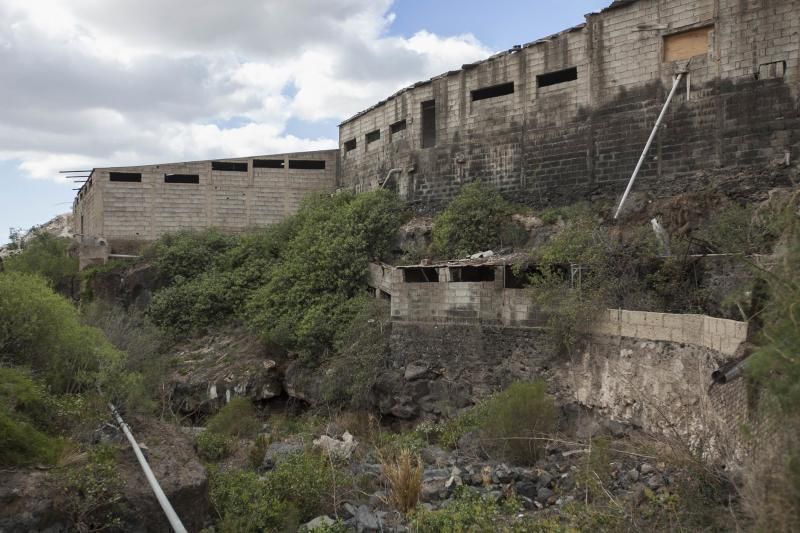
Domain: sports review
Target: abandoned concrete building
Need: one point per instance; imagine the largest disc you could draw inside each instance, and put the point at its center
(126, 206)
(561, 118)
(568, 114)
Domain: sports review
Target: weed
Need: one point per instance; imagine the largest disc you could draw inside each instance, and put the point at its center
(404, 474)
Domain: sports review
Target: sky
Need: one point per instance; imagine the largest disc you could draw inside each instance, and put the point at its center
(93, 83)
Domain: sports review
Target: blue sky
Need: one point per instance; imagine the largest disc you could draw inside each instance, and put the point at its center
(78, 96)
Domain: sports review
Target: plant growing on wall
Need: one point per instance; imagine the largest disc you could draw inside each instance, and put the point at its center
(476, 220)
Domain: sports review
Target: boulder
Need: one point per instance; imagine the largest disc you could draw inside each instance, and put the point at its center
(366, 519)
(320, 522)
(338, 449)
(280, 451)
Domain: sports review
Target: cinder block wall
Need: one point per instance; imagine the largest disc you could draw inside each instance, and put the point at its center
(738, 108)
(128, 214)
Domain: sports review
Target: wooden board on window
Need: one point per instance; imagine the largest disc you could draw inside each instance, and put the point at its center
(686, 44)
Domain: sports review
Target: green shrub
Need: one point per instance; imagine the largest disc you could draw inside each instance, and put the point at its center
(311, 291)
(142, 342)
(42, 330)
(24, 421)
(47, 256)
(298, 490)
(185, 255)
(451, 431)
(391, 444)
(93, 492)
(773, 477)
(517, 417)
(474, 221)
(360, 351)
(736, 229)
(236, 419)
(293, 282)
(467, 511)
(308, 480)
(245, 505)
(213, 446)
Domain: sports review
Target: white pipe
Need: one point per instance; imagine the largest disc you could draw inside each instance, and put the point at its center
(172, 516)
(649, 142)
(389, 175)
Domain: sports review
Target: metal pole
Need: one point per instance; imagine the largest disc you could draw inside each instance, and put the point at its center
(649, 142)
(172, 516)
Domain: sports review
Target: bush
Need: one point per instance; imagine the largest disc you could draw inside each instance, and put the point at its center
(24, 421)
(245, 505)
(773, 478)
(311, 291)
(213, 446)
(301, 488)
(474, 221)
(292, 282)
(467, 511)
(236, 419)
(93, 492)
(517, 417)
(185, 255)
(360, 350)
(42, 330)
(142, 342)
(47, 256)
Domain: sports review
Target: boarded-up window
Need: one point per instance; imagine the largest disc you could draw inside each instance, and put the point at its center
(428, 123)
(131, 177)
(687, 44)
(776, 69)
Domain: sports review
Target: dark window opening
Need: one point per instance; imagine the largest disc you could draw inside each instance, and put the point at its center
(472, 274)
(229, 166)
(350, 145)
(559, 76)
(133, 177)
(372, 136)
(420, 275)
(428, 123)
(307, 164)
(398, 126)
(268, 163)
(181, 178)
(383, 295)
(520, 279)
(493, 91)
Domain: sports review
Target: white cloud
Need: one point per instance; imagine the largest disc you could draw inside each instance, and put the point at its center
(99, 83)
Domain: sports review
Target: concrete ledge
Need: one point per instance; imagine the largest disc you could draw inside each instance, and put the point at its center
(718, 334)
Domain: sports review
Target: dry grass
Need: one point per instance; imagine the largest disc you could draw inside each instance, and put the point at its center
(404, 473)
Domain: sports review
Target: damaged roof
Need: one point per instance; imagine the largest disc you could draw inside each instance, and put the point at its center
(616, 4)
(493, 260)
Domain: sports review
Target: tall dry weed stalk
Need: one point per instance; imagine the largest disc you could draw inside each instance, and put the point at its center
(404, 473)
